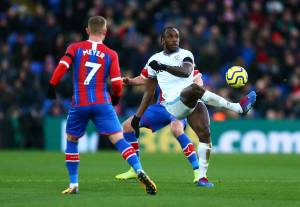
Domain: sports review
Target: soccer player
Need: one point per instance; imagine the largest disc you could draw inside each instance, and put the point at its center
(157, 117)
(93, 63)
(172, 69)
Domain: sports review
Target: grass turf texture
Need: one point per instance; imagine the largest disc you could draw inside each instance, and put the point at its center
(31, 178)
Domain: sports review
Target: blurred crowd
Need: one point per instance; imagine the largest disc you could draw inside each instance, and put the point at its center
(260, 35)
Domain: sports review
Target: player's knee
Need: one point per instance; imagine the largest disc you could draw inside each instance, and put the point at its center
(197, 88)
(177, 131)
(71, 138)
(127, 125)
(114, 138)
(177, 128)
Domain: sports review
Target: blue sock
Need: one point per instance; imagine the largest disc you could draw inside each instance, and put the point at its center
(131, 138)
(188, 150)
(128, 154)
(72, 160)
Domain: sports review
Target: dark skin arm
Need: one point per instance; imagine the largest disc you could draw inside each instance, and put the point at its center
(150, 87)
(184, 71)
(181, 71)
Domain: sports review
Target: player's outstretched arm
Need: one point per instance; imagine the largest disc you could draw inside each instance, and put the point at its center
(198, 80)
(136, 81)
(150, 86)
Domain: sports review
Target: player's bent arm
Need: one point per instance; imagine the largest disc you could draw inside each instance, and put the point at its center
(115, 78)
(63, 65)
(150, 86)
(115, 75)
(183, 71)
(116, 87)
(59, 72)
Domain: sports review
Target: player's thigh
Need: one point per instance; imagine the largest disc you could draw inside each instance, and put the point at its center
(77, 121)
(155, 117)
(105, 119)
(191, 94)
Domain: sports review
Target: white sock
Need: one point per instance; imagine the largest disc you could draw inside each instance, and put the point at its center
(203, 155)
(73, 185)
(213, 99)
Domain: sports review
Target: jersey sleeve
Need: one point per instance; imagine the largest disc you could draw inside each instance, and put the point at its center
(68, 57)
(115, 75)
(189, 58)
(144, 73)
(151, 73)
(197, 74)
(114, 72)
(63, 65)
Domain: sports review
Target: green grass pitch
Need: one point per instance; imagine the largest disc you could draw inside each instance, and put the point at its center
(32, 178)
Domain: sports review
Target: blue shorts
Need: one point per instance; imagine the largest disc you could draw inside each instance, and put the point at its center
(156, 117)
(103, 116)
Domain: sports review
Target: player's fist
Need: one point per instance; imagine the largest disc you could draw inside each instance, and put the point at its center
(157, 66)
(126, 81)
(51, 94)
(135, 123)
(115, 100)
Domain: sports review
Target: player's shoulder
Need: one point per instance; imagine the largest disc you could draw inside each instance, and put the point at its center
(156, 56)
(185, 52)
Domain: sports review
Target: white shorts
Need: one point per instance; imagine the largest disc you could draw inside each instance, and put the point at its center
(178, 109)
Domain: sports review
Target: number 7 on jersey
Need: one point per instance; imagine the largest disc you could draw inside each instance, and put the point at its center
(95, 67)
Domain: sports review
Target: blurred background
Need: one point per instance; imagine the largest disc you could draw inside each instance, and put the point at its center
(260, 35)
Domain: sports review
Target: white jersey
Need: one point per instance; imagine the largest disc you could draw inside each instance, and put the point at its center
(171, 85)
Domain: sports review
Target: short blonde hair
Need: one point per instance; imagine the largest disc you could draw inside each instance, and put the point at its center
(97, 24)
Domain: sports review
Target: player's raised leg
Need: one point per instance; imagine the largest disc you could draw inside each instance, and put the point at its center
(188, 149)
(194, 92)
(199, 122)
(130, 137)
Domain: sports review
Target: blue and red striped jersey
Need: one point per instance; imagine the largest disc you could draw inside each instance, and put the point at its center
(92, 62)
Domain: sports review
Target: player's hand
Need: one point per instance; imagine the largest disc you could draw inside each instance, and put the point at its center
(126, 81)
(157, 66)
(115, 100)
(135, 123)
(51, 94)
